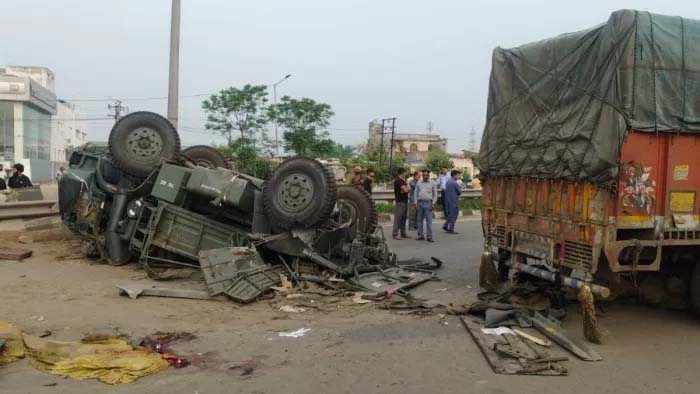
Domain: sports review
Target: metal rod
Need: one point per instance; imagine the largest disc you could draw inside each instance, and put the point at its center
(598, 290)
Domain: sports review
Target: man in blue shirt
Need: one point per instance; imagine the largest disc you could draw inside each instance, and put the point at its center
(450, 195)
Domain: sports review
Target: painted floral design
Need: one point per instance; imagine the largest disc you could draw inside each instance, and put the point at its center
(637, 187)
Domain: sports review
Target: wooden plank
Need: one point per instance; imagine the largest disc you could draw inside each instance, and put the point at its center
(14, 254)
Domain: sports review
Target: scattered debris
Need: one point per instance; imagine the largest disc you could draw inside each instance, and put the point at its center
(45, 334)
(134, 291)
(296, 333)
(247, 367)
(292, 309)
(14, 254)
(532, 338)
(551, 327)
(497, 331)
(37, 318)
(52, 384)
(509, 354)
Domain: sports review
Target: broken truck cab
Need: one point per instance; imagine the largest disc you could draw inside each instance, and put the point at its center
(589, 157)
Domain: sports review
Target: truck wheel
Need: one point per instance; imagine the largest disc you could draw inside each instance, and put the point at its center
(140, 141)
(357, 208)
(300, 193)
(695, 289)
(205, 156)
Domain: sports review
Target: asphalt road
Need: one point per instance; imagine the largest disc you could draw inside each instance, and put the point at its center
(357, 349)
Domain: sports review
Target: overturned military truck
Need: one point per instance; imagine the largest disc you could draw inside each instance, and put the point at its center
(138, 198)
(589, 160)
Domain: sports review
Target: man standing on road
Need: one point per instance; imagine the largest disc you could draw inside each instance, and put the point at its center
(368, 182)
(426, 196)
(18, 180)
(412, 211)
(357, 176)
(441, 184)
(3, 184)
(450, 195)
(401, 204)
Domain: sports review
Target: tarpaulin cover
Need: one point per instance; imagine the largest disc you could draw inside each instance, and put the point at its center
(560, 108)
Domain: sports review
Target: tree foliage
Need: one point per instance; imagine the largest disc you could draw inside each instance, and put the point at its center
(246, 160)
(437, 159)
(240, 110)
(304, 121)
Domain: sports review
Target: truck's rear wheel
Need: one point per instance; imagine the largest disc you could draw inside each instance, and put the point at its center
(300, 193)
(695, 289)
(357, 208)
(140, 141)
(205, 156)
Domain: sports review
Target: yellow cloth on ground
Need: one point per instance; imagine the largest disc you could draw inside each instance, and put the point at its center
(112, 361)
(14, 347)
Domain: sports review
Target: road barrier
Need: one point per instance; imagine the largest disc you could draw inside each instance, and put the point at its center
(387, 196)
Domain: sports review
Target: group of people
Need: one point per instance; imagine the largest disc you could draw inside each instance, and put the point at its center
(364, 181)
(16, 179)
(415, 202)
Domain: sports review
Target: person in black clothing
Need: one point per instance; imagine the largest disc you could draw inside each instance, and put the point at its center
(401, 203)
(3, 185)
(18, 180)
(368, 182)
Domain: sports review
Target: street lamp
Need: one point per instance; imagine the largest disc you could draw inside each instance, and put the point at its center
(274, 97)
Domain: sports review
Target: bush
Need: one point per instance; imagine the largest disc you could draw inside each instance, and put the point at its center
(470, 203)
(385, 208)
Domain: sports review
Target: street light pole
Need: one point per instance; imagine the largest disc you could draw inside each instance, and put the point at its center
(174, 74)
(274, 98)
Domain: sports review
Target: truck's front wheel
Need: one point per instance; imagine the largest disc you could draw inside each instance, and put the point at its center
(695, 289)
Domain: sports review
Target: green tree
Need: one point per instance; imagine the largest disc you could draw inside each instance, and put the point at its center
(246, 160)
(240, 110)
(304, 121)
(437, 159)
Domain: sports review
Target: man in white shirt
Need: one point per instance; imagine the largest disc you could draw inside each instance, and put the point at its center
(442, 184)
(425, 197)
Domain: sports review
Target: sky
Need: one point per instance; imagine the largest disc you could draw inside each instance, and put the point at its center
(418, 61)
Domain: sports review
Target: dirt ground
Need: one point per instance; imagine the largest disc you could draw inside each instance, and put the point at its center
(353, 349)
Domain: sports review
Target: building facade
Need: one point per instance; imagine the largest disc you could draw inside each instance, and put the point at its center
(413, 148)
(35, 128)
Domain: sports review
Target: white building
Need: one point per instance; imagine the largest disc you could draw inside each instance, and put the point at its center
(68, 131)
(35, 128)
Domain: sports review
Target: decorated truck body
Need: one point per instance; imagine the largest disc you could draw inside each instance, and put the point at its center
(590, 159)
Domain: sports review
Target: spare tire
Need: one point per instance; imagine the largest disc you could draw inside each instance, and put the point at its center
(300, 193)
(205, 156)
(140, 141)
(357, 207)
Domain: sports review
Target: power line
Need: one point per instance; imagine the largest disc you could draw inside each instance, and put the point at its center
(136, 98)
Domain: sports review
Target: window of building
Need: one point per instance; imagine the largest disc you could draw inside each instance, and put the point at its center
(7, 131)
(414, 148)
(37, 133)
(430, 147)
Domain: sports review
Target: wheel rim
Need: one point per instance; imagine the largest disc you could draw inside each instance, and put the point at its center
(295, 193)
(348, 212)
(145, 144)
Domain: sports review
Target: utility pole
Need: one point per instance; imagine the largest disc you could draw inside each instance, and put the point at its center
(381, 146)
(117, 108)
(174, 74)
(391, 144)
(274, 98)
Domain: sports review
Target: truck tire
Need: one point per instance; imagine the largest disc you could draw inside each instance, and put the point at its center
(695, 289)
(140, 141)
(205, 156)
(357, 207)
(300, 193)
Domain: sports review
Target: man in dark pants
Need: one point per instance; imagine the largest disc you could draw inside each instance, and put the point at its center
(412, 203)
(18, 180)
(451, 200)
(368, 182)
(441, 184)
(401, 204)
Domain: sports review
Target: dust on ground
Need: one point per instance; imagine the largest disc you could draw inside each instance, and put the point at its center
(354, 348)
